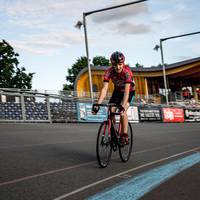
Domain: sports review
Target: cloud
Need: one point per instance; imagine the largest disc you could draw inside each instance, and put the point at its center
(38, 21)
(182, 58)
(33, 9)
(173, 20)
(162, 17)
(129, 28)
(195, 48)
(120, 13)
(22, 45)
(48, 43)
(176, 14)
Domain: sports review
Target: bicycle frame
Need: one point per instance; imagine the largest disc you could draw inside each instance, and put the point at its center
(110, 120)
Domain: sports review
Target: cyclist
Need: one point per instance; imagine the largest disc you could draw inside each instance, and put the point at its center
(122, 77)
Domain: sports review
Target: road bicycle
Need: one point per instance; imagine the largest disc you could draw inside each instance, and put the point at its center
(109, 139)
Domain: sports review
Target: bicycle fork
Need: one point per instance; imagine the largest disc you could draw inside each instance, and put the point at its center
(106, 138)
(114, 136)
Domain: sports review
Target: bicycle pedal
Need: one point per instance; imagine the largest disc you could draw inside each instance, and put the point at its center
(114, 147)
(124, 141)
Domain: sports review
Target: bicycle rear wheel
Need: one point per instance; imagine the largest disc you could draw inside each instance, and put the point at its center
(125, 149)
(103, 145)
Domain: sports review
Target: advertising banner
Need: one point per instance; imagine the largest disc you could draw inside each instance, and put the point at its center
(173, 115)
(150, 114)
(192, 114)
(84, 113)
(133, 116)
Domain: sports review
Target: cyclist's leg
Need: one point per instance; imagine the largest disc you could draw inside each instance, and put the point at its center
(124, 120)
(124, 117)
(114, 99)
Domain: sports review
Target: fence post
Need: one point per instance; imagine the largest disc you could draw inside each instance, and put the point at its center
(48, 108)
(23, 107)
(175, 96)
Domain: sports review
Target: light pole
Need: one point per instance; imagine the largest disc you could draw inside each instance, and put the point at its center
(164, 72)
(162, 58)
(86, 39)
(88, 57)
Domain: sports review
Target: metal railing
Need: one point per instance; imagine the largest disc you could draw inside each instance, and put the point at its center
(57, 106)
(32, 106)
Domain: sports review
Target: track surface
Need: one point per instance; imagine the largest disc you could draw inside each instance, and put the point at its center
(58, 161)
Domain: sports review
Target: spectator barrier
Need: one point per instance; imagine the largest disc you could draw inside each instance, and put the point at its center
(173, 114)
(41, 107)
(26, 107)
(149, 113)
(84, 113)
(142, 113)
(192, 114)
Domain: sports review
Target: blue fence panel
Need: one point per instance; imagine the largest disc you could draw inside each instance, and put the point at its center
(84, 113)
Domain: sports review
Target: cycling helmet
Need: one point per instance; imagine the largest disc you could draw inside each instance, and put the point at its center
(117, 57)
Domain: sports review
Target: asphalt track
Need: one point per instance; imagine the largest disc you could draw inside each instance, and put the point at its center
(58, 161)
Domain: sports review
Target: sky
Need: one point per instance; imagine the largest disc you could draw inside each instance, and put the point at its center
(43, 33)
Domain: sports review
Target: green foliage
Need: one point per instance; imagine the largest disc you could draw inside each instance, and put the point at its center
(100, 61)
(68, 87)
(137, 65)
(78, 66)
(11, 76)
(75, 69)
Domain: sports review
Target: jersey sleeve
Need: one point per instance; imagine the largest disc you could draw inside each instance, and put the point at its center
(107, 75)
(128, 77)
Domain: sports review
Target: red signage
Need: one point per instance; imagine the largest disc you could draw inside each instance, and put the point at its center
(173, 115)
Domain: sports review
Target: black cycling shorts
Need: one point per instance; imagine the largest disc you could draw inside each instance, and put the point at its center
(117, 96)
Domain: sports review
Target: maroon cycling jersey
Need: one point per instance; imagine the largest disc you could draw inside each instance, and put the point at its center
(120, 79)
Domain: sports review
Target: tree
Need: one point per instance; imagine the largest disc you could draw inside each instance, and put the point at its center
(137, 65)
(78, 66)
(73, 72)
(100, 61)
(11, 76)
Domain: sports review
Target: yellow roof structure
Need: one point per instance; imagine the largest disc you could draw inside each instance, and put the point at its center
(148, 80)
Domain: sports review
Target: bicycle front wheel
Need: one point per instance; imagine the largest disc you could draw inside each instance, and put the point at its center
(125, 149)
(103, 145)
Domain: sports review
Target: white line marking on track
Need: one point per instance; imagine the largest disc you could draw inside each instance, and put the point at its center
(45, 173)
(157, 148)
(125, 172)
(74, 167)
(11, 146)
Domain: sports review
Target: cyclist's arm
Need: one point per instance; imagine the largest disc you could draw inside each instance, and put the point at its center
(103, 93)
(126, 95)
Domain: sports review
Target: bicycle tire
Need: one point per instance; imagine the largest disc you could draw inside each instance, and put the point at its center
(126, 149)
(103, 141)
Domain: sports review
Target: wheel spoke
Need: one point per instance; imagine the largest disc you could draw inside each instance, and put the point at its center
(103, 146)
(125, 147)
